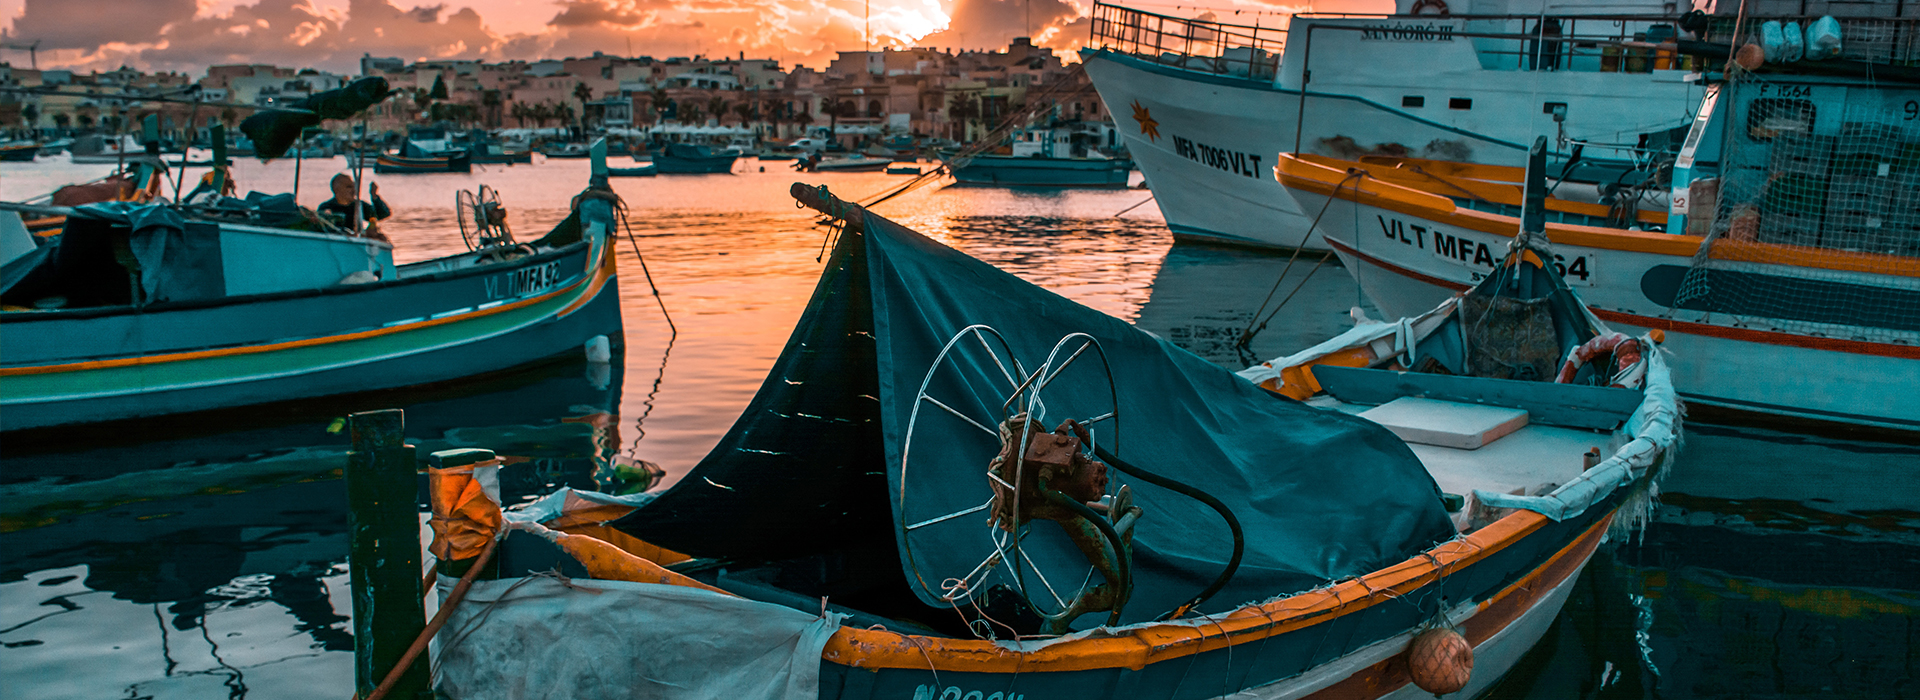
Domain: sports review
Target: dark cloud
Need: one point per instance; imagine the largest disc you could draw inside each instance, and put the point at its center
(579, 13)
(167, 34)
(87, 24)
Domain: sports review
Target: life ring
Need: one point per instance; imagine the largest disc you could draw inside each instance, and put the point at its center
(1429, 7)
(1628, 369)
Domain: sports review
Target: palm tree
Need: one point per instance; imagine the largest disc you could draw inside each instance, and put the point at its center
(563, 112)
(691, 114)
(582, 93)
(540, 113)
(61, 120)
(491, 100)
(31, 113)
(229, 117)
(660, 102)
(717, 106)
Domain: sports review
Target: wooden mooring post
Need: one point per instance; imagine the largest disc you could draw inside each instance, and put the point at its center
(384, 554)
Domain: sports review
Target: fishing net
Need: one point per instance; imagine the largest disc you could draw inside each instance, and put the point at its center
(1814, 225)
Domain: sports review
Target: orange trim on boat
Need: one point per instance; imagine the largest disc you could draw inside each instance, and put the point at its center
(1494, 614)
(601, 273)
(1421, 175)
(1136, 648)
(1304, 174)
(1856, 347)
(288, 345)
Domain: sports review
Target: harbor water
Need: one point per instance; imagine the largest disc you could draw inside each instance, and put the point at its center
(205, 556)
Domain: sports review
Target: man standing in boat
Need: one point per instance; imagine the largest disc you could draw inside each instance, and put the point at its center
(340, 211)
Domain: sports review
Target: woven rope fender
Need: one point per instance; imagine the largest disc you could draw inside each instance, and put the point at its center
(1440, 661)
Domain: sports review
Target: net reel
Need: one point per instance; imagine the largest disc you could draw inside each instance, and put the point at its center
(1023, 568)
(483, 220)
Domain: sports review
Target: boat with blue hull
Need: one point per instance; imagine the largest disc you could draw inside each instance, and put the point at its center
(1040, 171)
(210, 313)
(691, 159)
(866, 534)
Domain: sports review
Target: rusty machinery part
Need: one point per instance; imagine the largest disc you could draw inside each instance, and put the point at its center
(1059, 480)
(1053, 477)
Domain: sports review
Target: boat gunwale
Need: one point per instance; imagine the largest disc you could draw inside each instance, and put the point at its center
(1299, 171)
(590, 283)
(29, 316)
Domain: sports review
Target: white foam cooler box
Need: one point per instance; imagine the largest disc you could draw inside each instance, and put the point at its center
(1462, 426)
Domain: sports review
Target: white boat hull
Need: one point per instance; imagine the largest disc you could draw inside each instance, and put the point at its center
(1207, 143)
(1718, 360)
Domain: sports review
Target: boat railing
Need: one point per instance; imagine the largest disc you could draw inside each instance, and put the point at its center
(1582, 43)
(1247, 51)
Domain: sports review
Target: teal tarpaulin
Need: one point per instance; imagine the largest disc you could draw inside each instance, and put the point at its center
(815, 464)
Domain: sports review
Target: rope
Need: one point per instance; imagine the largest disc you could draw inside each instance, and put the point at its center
(1246, 336)
(439, 620)
(1142, 203)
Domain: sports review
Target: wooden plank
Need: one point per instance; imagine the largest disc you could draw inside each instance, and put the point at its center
(1566, 405)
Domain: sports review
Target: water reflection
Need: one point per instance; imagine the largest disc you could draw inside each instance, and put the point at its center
(204, 557)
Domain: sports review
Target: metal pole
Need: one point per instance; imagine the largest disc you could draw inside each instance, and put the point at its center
(384, 555)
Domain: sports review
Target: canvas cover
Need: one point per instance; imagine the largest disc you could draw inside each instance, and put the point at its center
(815, 463)
(547, 637)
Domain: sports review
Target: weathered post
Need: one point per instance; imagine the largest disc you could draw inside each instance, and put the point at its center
(384, 559)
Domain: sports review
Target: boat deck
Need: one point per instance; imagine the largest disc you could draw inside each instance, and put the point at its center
(1520, 461)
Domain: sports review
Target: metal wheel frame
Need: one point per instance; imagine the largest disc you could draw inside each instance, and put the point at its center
(1006, 543)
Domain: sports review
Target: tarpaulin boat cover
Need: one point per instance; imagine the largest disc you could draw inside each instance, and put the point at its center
(815, 464)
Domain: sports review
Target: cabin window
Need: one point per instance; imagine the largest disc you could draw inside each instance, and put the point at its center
(1460, 103)
(1768, 118)
(1413, 101)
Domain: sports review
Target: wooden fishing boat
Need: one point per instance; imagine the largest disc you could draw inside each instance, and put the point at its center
(854, 164)
(870, 526)
(1783, 263)
(639, 170)
(222, 306)
(1040, 171)
(684, 159)
(564, 150)
(19, 152)
(391, 163)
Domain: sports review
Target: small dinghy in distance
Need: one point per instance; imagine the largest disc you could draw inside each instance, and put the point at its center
(870, 527)
(640, 170)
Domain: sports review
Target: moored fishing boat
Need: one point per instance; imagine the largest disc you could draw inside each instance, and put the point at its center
(638, 170)
(393, 163)
(19, 151)
(1040, 171)
(1785, 271)
(869, 526)
(245, 302)
(1203, 106)
(684, 159)
(849, 164)
(1061, 154)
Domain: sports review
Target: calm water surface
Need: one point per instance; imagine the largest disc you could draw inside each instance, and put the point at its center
(206, 557)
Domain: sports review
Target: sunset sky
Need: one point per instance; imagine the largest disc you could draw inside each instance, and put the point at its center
(332, 34)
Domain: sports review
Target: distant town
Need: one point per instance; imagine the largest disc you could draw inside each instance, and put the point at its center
(923, 92)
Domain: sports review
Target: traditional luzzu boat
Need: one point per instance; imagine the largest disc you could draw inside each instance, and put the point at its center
(638, 170)
(688, 159)
(870, 526)
(243, 302)
(394, 163)
(1052, 156)
(1781, 258)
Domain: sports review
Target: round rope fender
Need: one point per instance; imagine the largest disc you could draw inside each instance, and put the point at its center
(1429, 7)
(1626, 352)
(1440, 661)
